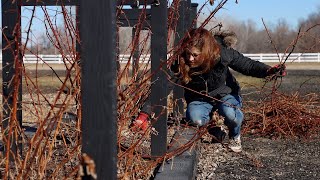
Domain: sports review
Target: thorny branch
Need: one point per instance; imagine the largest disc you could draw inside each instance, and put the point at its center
(54, 150)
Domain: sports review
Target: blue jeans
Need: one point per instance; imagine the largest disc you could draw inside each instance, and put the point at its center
(199, 113)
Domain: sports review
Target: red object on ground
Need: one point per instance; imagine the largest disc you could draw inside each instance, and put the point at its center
(141, 121)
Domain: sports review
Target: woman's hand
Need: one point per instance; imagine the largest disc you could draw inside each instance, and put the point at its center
(278, 70)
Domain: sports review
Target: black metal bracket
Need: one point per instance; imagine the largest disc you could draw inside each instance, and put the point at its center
(136, 3)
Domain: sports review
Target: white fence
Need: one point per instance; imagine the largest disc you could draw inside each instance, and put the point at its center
(266, 57)
(41, 58)
(294, 57)
(123, 58)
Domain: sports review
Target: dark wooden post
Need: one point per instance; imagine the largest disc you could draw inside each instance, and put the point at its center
(78, 59)
(11, 71)
(193, 14)
(135, 57)
(159, 88)
(182, 26)
(98, 58)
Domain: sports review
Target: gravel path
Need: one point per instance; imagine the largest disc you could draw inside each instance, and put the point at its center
(261, 158)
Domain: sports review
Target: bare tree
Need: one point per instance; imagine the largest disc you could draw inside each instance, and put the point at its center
(310, 41)
(282, 35)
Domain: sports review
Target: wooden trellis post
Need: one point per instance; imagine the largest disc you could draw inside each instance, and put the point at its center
(187, 13)
(159, 89)
(12, 62)
(97, 26)
(99, 105)
(11, 73)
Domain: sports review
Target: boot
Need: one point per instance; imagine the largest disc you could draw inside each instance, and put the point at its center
(218, 134)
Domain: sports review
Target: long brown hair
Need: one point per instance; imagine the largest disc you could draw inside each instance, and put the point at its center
(203, 40)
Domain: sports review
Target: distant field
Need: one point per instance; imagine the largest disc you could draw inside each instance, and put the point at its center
(289, 65)
(45, 67)
(302, 80)
(299, 74)
(295, 65)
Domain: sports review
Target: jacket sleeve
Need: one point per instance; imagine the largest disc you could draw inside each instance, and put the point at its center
(243, 64)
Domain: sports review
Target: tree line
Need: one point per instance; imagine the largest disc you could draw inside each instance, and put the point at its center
(280, 37)
(277, 38)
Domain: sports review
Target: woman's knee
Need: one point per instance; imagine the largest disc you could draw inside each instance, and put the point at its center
(233, 115)
(198, 112)
(197, 117)
(230, 110)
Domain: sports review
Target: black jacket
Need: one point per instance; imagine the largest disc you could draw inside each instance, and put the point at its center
(219, 81)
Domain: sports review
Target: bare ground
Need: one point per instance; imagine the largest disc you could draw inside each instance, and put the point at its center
(264, 158)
